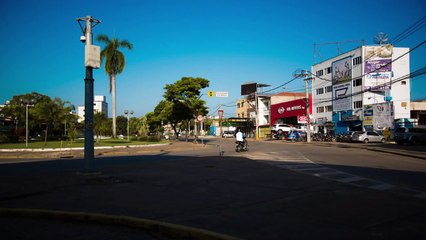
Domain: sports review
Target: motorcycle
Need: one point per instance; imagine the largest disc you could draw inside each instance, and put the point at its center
(241, 146)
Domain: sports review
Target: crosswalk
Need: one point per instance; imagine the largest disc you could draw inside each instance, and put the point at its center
(296, 161)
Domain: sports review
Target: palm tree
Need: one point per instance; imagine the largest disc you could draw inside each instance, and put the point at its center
(114, 64)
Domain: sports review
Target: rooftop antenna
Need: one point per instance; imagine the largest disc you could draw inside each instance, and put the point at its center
(381, 38)
(339, 50)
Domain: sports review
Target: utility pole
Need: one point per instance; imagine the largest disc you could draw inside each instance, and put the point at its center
(308, 119)
(92, 60)
(306, 74)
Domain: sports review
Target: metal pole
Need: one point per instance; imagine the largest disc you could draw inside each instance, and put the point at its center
(26, 125)
(256, 135)
(308, 120)
(128, 129)
(88, 102)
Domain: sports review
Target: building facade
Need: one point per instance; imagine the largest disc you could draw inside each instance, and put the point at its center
(366, 88)
(99, 105)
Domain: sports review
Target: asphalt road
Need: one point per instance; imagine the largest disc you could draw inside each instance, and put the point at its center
(277, 190)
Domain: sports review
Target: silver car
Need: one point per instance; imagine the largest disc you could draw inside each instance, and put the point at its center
(368, 136)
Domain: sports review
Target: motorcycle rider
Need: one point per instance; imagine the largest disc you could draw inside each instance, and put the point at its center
(240, 139)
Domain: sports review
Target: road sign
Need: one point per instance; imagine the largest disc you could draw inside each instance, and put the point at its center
(222, 94)
(220, 112)
(200, 118)
(210, 93)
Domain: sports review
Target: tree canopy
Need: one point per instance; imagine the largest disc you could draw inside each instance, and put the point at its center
(181, 103)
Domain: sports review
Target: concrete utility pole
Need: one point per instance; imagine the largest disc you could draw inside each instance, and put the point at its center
(92, 60)
(308, 119)
(306, 74)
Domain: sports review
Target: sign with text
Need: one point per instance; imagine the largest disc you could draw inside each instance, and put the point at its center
(222, 94)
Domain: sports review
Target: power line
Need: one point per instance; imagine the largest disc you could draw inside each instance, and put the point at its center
(410, 30)
(414, 74)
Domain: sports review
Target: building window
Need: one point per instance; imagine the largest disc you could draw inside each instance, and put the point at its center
(357, 61)
(320, 109)
(238, 105)
(320, 91)
(329, 108)
(328, 89)
(403, 83)
(328, 70)
(358, 104)
(320, 73)
(357, 82)
(242, 104)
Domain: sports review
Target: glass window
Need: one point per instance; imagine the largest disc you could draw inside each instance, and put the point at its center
(357, 82)
(358, 104)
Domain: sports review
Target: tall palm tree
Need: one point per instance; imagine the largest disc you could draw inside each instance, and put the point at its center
(114, 64)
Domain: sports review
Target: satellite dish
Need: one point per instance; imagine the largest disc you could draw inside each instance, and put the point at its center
(381, 38)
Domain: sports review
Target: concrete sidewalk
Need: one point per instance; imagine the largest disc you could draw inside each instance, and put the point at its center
(231, 196)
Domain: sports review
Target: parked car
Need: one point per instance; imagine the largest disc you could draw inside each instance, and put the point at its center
(410, 135)
(228, 134)
(278, 130)
(367, 136)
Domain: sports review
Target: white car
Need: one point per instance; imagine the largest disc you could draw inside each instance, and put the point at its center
(278, 130)
(282, 127)
(228, 134)
(369, 136)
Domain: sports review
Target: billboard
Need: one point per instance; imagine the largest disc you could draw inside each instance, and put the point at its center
(378, 67)
(341, 75)
(378, 116)
(249, 88)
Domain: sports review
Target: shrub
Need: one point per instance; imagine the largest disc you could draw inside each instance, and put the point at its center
(154, 139)
(143, 138)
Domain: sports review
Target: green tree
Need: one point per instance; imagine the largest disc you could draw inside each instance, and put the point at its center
(184, 96)
(114, 64)
(44, 114)
(122, 125)
(101, 125)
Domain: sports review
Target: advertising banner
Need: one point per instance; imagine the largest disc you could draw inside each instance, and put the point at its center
(382, 116)
(342, 97)
(378, 67)
(341, 75)
(368, 115)
(341, 70)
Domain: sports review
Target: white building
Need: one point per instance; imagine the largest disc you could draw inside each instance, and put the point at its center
(366, 88)
(99, 105)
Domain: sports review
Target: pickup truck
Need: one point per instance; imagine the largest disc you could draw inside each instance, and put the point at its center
(410, 135)
(279, 131)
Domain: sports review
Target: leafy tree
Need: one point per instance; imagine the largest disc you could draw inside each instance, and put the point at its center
(101, 125)
(114, 64)
(184, 97)
(122, 125)
(44, 114)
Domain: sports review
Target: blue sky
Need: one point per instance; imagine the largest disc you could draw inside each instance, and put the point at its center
(229, 42)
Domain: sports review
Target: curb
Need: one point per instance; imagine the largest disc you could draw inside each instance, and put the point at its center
(78, 148)
(167, 229)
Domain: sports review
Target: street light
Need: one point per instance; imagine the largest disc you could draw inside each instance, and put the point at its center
(27, 104)
(126, 112)
(92, 60)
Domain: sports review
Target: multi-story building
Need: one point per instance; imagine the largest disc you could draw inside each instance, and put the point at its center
(99, 105)
(243, 106)
(366, 88)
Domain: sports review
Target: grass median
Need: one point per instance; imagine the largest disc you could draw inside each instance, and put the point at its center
(77, 143)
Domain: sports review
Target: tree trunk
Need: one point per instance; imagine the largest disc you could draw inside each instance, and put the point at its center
(113, 93)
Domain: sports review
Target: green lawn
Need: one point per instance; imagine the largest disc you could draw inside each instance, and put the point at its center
(77, 143)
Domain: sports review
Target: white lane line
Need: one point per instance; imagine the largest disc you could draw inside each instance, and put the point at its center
(382, 186)
(350, 179)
